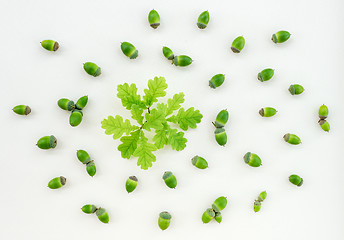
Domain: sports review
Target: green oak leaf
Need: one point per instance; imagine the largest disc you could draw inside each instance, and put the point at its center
(116, 126)
(128, 95)
(156, 88)
(154, 119)
(174, 103)
(129, 144)
(144, 153)
(186, 119)
(161, 136)
(136, 113)
(176, 139)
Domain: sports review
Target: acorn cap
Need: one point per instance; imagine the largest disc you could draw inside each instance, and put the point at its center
(167, 174)
(165, 215)
(133, 178)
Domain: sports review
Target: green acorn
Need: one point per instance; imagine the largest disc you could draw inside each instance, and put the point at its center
(221, 119)
(170, 179)
(208, 215)
(131, 184)
(219, 204)
(267, 112)
(92, 69)
(50, 45)
(57, 182)
(296, 89)
(262, 196)
(75, 117)
(257, 206)
(203, 20)
(154, 19)
(323, 112)
(296, 180)
(280, 37)
(217, 80)
(168, 53)
(252, 159)
(218, 217)
(164, 220)
(129, 50)
(89, 209)
(292, 139)
(22, 109)
(83, 156)
(266, 75)
(238, 44)
(102, 215)
(91, 168)
(220, 136)
(81, 103)
(199, 162)
(66, 104)
(47, 142)
(324, 125)
(182, 60)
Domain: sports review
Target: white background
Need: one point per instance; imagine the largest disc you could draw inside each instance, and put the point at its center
(92, 31)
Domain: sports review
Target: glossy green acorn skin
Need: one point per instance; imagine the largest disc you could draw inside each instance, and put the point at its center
(266, 75)
(154, 19)
(170, 179)
(102, 215)
(81, 103)
(296, 89)
(92, 69)
(203, 20)
(257, 206)
(324, 125)
(164, 220)
(129, 50)
(238, 44)
(199, 162)
(50, 45)
(323, 112)
(91, 168)
(182, 60)
(131, 184)
(221, 118)
(47, 142)
(292, 139)
(220, 136)
(89, 208)
(66, 104)
(167, 53)
(83, 156)
(267, 112)
(218, 217)
(280, 36)
(219, 204)
(296, 180)
(262, 196)
(75, 118)
(57, 182)
(217, 80)
(252, 159)
(208, 215)
(22, 109)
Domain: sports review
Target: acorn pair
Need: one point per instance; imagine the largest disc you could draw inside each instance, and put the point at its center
(258, 203)
(323, 113)
(84, 157)
(100, 212)
(220, 133)
(75, 109)
(215, 211)
(181, 60)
